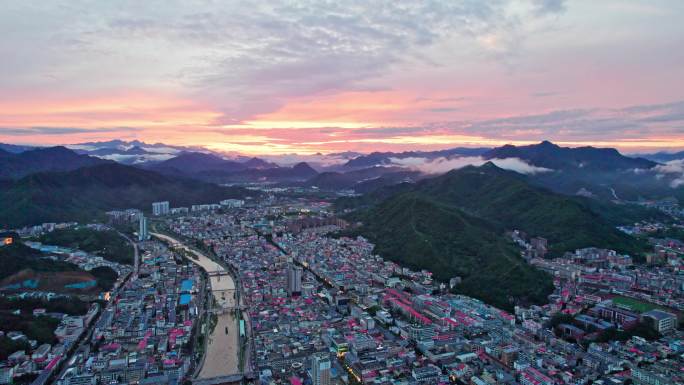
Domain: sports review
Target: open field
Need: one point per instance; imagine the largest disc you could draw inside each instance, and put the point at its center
(60, 282)
(636, 305)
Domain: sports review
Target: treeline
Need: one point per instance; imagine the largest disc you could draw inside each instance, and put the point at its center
(105, 277)
(71, 305)
(17, 257)
(107, 244)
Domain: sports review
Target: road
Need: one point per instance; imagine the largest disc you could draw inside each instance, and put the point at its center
(136, 254)
(83, 347)
(222, 352)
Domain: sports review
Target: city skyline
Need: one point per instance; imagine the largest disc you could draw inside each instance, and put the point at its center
(311, 77)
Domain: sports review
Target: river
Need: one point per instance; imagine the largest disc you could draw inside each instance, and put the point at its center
(221, 356)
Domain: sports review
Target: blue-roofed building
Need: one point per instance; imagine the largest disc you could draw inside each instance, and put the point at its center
(184, 299)
(186, 286)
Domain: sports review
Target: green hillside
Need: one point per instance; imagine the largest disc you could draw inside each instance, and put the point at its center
(454, 224)
(86, 193)
(17, 257)
(108, 244)
(510, 201)
(507, 199)
(420, 233)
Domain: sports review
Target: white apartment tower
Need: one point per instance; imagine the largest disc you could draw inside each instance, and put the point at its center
(294, 279)
(143, 234)
(320, 369)
(160, 208)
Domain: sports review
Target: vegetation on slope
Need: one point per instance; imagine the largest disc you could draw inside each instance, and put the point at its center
(70, 305)
(108, 243)
(418, 232)
(9, 346)
(506, 198)
(31, 264)
(17, 165)
(105, 277)
(671, 232)
(39, 328)
(17, 257)
(86, 193)
(454, 224)
(623, 214)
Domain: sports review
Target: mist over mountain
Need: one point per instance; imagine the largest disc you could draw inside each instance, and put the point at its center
(552, 156)
(362, 180)
(298, 172)
(454, 225)
(130, 152)
(602, 173)
(663, 157)
(13, 148)
(216, 169)
(189, 163)
(386, 158)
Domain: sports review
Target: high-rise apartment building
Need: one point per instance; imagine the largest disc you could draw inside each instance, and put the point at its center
(294, 279)
(160, 208)
(320, 369)
(143, 234)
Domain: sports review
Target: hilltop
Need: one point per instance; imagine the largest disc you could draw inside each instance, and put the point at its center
(421, 233)
(19, 164)
(554, 157)
(86, 193)
(454, 224)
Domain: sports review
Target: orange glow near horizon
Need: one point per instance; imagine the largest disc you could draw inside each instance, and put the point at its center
(349, 121)
(313, 78)
(135, 110)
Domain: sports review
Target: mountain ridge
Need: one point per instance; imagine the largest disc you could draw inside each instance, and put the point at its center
(86, 193)
(555, 157)
(57, 158)
(444, 223)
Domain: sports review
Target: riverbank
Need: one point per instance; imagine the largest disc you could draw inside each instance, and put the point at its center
(221, 355)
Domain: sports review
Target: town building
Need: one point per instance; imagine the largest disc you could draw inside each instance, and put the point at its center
(160, 208)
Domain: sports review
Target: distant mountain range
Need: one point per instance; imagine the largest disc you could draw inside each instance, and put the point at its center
(17, 165)
(362, 180)
(554, 157)
(86, 193)
(544, 154)
(194, 163)
(298, 172)
(130, 152)
(600, 173)
(385, 158)
(125, 145)
(210, 167)
(663, 157)
(135, 150)
(13, 148)
(453, 225)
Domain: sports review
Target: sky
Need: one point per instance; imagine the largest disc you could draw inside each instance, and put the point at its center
(329, 76)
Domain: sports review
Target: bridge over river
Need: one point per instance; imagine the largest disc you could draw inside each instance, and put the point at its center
(221, 358)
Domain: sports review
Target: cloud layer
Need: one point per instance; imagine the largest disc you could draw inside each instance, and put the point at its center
(442, 165)
(673, 168)
(308, 76)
